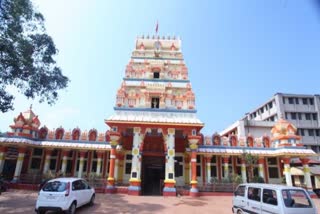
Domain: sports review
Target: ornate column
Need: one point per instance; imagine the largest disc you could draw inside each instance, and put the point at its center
(2, 157)
(286, 171)
(47, 161)
(208, 167)
(226, 166)
(193, 144)
(135, 181)
(81, 163)
(20, 158)
(99, 160)
(120, 158)
(261, 167)
(114, 141)
(243, 171)
(64, 161)
(169, 182)
(186, 169)
(306, 171)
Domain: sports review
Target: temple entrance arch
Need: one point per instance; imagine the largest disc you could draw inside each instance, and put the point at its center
(153, 164)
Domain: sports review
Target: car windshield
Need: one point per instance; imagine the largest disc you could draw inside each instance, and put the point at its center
(55, 186)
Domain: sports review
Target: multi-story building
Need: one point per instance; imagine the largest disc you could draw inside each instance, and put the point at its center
(299, 109)
(153, 145)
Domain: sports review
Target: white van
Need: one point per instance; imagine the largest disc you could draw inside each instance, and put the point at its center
(271, 199)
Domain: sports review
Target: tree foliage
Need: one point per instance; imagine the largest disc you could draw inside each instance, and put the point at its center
(250, 161)
(27, 55)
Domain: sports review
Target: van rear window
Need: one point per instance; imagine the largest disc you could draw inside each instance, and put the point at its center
(296, 198)
(55, 186)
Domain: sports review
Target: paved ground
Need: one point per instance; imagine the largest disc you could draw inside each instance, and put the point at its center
(20, 201)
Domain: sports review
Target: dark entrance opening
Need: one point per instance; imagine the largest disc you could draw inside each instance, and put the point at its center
(153, 171)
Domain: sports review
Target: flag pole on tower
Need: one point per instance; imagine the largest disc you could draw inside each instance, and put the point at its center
(157, 26)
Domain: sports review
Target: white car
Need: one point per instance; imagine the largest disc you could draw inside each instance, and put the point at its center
(64, 194)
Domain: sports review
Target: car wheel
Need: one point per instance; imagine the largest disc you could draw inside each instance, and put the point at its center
(72, 209)
(239, 212)
(92, 200)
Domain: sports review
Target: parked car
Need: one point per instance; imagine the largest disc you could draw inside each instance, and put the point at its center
(269, 198)
(64, 195)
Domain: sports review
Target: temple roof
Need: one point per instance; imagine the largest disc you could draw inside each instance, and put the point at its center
(155, 117)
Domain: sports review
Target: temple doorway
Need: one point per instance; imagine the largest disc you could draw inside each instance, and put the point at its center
(153, 174)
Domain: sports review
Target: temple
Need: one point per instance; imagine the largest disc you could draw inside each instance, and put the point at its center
(153, 144)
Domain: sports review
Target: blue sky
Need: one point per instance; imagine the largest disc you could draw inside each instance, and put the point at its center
(239, 53)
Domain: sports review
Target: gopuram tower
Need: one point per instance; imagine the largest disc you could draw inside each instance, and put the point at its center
(154, 122)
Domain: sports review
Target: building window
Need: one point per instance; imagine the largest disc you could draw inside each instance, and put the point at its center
(272, 118)
(291, 100)
(270, 105)
(155, 102)
(213, 159)
(273, 172)
(297, 100)
(314, 116)
(317, 132)
(311, 101)
(293, 116)
(254, 114)
(286, 115)
(128, 168)
(198, 159)
(302, 132)
(310, 132)
(299, 116)
(305, 101)
(284, 100)
(261, 110)
(198, 171)
(308, 116)
(156, 75)
(213, 171)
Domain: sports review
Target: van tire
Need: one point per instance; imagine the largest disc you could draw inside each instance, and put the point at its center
(239, 212)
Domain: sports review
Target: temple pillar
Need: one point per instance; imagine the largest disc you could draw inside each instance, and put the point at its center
(306, 172)
(135, 180)
(114, 140)
(99, 160)
(193, 144)
(120, 158)
(261, 167)
(243, 171)
(226, 167)
(186, 169)
(169, 182)
(64, 161)
(286, 171)
(17, 172)
(208, 167)
(81, 163)
(47, 161)
(2, 157)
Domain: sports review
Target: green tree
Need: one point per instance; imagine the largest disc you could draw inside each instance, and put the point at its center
(250, 161)
(27, 55)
